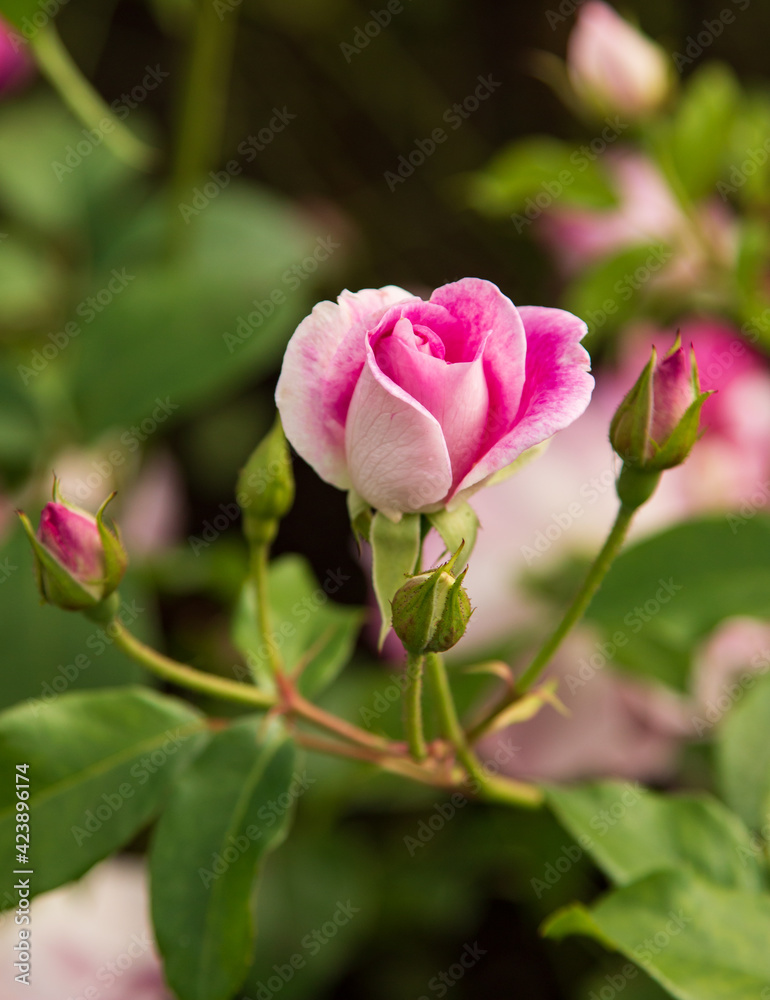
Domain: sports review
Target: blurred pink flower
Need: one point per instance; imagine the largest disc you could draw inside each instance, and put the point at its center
(738, 648)
(16, 65)
(90, 939)
(564, 502)
(647, 213)
(613, 67)
(154, 511)
(616, 727)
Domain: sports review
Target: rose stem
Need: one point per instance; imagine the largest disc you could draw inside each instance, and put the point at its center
(413, 723)
(246, 694)
(573, 614)
(259, 564)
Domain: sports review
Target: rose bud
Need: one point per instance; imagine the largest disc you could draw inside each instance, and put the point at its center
(431, 610)
(79, 562)
(265, 490)
(16, 65)
(415, 405)
(613, 68)
(656, 425)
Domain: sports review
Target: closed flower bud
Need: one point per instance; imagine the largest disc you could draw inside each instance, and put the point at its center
(79, 562)
(614, 68)
(656, 425)
(265, 490)
(431, 610)
(16, 65)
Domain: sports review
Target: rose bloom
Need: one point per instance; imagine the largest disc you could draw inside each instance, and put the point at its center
(415, 405)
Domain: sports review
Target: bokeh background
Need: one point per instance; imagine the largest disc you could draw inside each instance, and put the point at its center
(191, 326)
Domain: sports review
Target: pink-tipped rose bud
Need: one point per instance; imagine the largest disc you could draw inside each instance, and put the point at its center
(614, 68)
(656, 425)
(79, 561)
(16, 66)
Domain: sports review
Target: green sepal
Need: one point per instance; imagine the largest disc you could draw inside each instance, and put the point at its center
(395, 550)
(630, 427)
(360, 514)
(453, 620)
(455, 527)
(115, 558)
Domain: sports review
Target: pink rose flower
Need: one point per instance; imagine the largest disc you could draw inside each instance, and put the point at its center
(16, 66)
(414, 404)
(613, 67)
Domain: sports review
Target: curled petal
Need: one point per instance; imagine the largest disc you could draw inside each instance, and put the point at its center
(556, 391)
(396, 452)
(322, 364)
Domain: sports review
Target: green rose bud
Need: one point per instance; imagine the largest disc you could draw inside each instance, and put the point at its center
(656, 425)
(265, 490)
(431, 610)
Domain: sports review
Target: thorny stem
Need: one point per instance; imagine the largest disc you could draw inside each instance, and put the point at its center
(362, 745)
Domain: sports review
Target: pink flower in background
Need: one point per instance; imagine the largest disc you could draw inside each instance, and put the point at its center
(16, 66)
(613, 67)
(566, 500)
(647, 213)
(738, 648)
(616, 727)
(90, 939)
(416, 404)
(565, 503)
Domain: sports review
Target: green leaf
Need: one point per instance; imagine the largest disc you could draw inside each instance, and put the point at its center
(630, 832)
(458, 525)
(222, 817)
(20, 428)
(700, 941)
(39, 188)
(667, 593)
(100, 766)
(698, 139)
(31, 286)
(743, 752)
(17, 11)
(748, 178)
(531, 175)
(187, 330)
(609, 293)
(395, 549)
(45, 651)
(309, 628)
